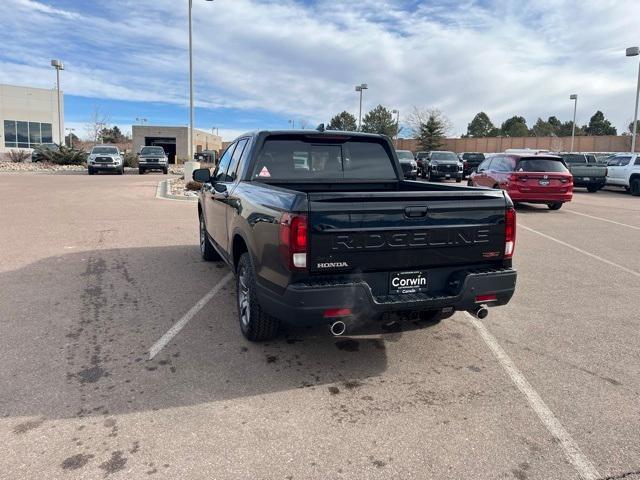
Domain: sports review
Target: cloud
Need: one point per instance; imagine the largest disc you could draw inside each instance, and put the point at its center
(302, 60)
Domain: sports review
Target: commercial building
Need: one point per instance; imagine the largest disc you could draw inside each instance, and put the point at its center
(28, 117)
(174, 140)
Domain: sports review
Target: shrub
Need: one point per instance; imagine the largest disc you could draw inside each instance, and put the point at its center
(130, 160)
(63, 156)
(193, 186)
(18, 156)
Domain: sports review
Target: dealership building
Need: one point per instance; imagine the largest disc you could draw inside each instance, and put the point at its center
(174, 140)
(28, 117)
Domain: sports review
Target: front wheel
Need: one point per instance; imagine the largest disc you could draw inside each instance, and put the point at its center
(458, 180)
(256, 324)
(634, 187)
(140, 171)
(165, 170)
(555, 206)
(206, 249)
(91, 171)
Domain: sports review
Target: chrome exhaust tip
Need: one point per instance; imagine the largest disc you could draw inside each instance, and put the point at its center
(481, 312)
(338, 328)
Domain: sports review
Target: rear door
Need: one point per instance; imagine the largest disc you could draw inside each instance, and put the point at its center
(541, 175)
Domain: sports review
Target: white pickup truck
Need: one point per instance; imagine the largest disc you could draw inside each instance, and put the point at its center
(623, 170)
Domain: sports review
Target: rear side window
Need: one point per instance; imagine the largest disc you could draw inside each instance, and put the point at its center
(503, 164)
(291, 159)
(619, 161)
(540, 165)
(637, 162)
(574, 158)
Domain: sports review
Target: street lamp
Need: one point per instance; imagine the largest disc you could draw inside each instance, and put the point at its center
(634, 52)
(70, 136)
(292, 123)
(573, 97)
(58, 65)
(191, 84)
(360, 88)
(397, 112)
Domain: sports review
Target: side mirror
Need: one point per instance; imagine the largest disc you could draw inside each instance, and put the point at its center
(202, 175)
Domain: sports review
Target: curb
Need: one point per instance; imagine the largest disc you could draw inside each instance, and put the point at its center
(163, 189)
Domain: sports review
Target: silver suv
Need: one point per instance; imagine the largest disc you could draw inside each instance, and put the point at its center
(152, 158)
(106, 158)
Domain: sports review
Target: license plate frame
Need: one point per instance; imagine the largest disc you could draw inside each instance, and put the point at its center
(401, 283)
(544, 182)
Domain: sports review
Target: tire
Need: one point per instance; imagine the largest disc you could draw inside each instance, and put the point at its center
(592, 189)
(207, 251)
(255, 324)
(121, 171)
(634, 187)
(555, 206)
(458, 180)
(90, 171)
(165, 170)
(469, 183)
(141, 171)
(423, 174)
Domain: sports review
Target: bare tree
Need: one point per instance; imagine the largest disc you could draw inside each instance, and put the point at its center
(96, 123)
(420, 116)
(303, 123)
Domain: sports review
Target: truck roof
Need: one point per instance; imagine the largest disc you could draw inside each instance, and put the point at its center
(302, 133)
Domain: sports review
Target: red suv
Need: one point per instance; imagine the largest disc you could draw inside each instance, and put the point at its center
(527, 178)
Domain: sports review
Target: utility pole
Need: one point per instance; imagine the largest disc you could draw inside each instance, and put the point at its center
(58, 65)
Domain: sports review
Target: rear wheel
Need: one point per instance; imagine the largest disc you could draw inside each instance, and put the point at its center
(634, 187)
(592, 189)
(555, 206)
(423, 174)
(256, 324)
(206, 249)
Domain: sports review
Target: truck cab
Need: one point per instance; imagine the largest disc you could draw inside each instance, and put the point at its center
(623, 170)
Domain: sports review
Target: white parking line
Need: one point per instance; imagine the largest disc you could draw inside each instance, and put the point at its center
(604, 220)
(180, 324)
(582, 464)
(568, 245)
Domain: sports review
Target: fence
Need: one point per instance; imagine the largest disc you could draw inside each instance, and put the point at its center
(608, 143)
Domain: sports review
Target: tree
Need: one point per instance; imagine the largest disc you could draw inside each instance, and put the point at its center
(480, 126)
(379, 120)
(432, 132)
(343, 121)
(542, 128)
(112, 135)
(637, 127)
(515, 127)
(71, 139)
(96, 123)
(565, 129)
(598, 125)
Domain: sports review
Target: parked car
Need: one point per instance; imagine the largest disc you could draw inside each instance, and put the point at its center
(470, 161)
(623, 170)
(443, 164)
(527, 178)
(36, 155)
(421, 158)
(345, 239)
(585, 173)
(408, 164)
(106, 158)
(152, 158)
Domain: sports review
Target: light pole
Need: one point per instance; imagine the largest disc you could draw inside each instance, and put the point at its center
(634, 52)
(397, 112)
(216, 129)
(360, 88)
(143, 121)
(191, 84)
(70, 136)
(293, 124)
(58, 65)
(574, 97)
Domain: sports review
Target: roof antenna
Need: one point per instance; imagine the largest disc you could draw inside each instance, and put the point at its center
(320, 127)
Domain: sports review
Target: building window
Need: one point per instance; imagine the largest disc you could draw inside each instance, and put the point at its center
(26, 134)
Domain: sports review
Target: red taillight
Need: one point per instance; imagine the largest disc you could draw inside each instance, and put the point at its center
(337, 312)
(492, 297)
(509, 232)
(294, 240)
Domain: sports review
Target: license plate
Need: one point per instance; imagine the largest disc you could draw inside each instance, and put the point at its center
(447, 176)
(408, 282)
(586, 179)
(544, 183)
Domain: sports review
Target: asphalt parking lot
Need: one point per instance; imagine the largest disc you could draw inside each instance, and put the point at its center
(95, 270)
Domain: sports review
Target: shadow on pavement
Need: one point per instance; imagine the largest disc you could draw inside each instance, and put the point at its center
(76, 330)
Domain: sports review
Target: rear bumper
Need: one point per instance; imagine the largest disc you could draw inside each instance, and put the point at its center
(305, 303)
(533, 197)
(591, 182)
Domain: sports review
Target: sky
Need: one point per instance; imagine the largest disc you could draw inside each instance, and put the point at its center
(262, 63)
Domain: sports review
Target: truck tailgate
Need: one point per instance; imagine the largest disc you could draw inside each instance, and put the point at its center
(389, 231)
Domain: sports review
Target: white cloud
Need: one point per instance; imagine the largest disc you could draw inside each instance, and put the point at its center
(505, 57)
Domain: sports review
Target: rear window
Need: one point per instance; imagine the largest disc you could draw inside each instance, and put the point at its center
(444, 156)
(289, 159)
(540, 165)
(152, 151)
(422, 154)
(574, 158)
(474, 157)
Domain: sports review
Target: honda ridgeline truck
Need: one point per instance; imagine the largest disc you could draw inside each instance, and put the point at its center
(321, 228)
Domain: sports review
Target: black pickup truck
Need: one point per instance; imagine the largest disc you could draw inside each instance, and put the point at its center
(321, 227)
